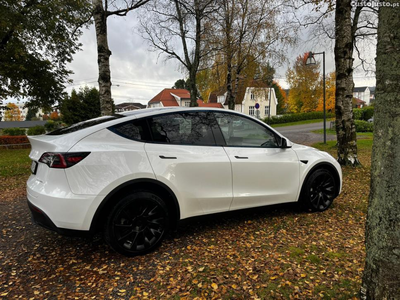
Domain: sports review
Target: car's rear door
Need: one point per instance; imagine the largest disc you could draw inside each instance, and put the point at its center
(184, 155)
(263, 173)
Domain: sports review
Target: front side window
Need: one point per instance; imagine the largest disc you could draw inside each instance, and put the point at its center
(251, 110)
(183, 128)
(243, 132)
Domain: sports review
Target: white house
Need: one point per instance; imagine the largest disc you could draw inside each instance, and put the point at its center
(249, 99)
(362, 93)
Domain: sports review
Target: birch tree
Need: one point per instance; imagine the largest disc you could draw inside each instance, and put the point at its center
(179, 29)
(381, 278)
(101, 11)
(249, 31)
(349, 26)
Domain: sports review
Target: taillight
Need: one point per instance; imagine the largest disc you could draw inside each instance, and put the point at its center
(62, 160)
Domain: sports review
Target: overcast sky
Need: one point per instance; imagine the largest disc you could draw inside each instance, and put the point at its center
(137, 74)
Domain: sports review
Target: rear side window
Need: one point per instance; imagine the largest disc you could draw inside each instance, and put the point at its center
(183, 128)
(133, 130)
(85, 124)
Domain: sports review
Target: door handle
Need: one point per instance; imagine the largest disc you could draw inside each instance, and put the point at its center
(167, 157)
(241, 157)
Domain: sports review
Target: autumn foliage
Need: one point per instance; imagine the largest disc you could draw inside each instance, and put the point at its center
(13, 113)
(330, 83)
(305, 86)
(54, 115)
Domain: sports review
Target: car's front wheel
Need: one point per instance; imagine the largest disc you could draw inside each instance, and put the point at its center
(137, 224)
(320, 189)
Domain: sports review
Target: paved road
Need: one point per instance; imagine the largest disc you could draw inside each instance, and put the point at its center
(302, 134)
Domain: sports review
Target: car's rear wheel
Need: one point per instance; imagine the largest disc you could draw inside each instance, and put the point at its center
(137, 224)
(320, 189)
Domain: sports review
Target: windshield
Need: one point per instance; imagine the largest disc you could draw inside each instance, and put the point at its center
(85, 124)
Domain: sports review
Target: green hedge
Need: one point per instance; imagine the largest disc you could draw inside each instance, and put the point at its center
(364, 126)
(14, 131)
(36, 130)
(364, 113)
(297, 117)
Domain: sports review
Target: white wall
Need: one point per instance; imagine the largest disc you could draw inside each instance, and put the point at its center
(261, 96)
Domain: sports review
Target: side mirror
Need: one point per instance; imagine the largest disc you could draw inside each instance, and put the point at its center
(284, 143)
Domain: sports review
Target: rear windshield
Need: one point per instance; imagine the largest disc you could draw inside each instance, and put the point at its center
(85, 124)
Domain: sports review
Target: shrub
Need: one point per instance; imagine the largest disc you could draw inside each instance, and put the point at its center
(358, 113)
(364, 113)
(13, 131)
(368, 112)
(13, 140)
(297, 117)
(36, 130)
(364, 126)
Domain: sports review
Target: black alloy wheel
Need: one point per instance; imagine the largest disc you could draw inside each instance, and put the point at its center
(137, 224)
(320, 190)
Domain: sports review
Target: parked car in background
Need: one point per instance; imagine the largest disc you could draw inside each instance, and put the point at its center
(135, 175)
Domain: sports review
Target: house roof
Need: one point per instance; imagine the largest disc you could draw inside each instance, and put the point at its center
(360, 89)
(372, 90)
(166, 96)
(359, 101)
(215, 105)
(126, 104)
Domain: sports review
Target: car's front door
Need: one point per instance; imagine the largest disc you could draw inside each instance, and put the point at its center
(263, 173)
(185, 157)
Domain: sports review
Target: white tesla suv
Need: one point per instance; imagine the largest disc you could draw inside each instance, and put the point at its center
(136, 174)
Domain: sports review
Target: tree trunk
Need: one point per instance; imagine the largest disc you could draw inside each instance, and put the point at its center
(229, 91)
(103, 57)
(381, 278)
(345, 127)
(193, 89)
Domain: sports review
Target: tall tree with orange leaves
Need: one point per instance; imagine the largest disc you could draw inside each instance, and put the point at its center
(13, 113)
(330, 84)
(305, 86)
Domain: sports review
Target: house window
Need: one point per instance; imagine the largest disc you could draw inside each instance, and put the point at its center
(252, 96)
(187, 103)
(266, 110)
(251, 110)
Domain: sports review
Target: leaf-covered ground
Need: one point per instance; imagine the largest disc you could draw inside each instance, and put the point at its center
(279, 252)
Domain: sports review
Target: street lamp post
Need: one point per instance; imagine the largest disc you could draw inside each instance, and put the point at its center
(311, 61)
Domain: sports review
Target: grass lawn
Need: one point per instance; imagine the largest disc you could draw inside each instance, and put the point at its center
(14, 162)
(362, 135)
(300, 122)
(279, 252)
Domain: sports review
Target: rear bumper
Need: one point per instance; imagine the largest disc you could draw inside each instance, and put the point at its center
(56, 206)
(40, 218)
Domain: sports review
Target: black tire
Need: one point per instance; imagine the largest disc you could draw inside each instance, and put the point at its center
(319, 190)
(137, 224)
